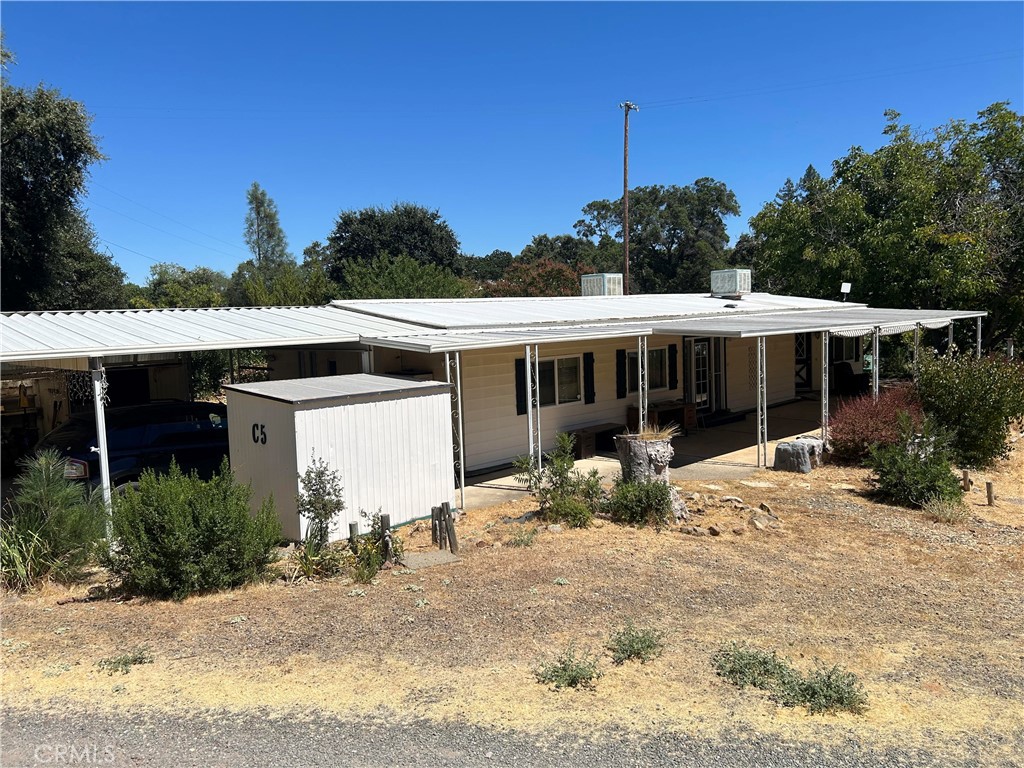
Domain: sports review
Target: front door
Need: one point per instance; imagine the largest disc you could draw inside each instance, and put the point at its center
(702, 374)
(802, 356)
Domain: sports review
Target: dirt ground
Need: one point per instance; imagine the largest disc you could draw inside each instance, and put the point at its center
(929, 615)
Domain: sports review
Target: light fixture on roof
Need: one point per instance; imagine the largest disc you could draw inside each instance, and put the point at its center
(845, 289)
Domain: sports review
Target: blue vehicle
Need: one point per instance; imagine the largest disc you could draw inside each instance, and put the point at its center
(141, 437)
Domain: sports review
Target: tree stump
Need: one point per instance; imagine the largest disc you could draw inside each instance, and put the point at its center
(644, 460)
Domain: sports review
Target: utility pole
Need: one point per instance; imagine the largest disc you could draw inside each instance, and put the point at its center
(626, 105)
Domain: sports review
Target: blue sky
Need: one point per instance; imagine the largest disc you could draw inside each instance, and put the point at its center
(504, 117)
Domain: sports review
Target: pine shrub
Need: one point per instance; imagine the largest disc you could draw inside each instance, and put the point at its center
(50, 527)
(862, 423)
(178, 535)
(975, 400)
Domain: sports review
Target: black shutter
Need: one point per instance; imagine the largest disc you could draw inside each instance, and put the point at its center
(857, 346)
(686, 372)
(673, 363)
(520, 386)
(588, 378)
(620, 373)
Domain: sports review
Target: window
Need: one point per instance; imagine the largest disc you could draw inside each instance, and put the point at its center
(845, 348)
(657, 369)
(559, 381)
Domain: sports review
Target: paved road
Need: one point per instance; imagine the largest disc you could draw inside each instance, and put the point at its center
(219, 739)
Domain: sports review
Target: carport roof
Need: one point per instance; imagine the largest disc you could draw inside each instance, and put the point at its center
(55, 335)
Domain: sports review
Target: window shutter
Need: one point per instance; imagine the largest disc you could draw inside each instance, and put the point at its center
(620, 373)
(857, 345)
(673, 363)
(520, 386)
(588, 378)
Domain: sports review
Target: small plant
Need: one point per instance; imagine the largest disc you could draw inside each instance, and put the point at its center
(631, 642)
(655, 432)
(329, 562)
(522, 537)
(744, 666)
(50, 527)
(375, 549)
(915, 470)
(125, 662)
(946, 511)
(178, 535)
(569, 670)
(319, 502)
(412, 588)
(826, 689)
(640, 502)
(564, 493)
(862, 423)
(561, 581)
(357, 593)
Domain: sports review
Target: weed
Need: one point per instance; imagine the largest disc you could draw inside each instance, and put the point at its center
(422, 603)
(655, 432)
(413, 588)
(238, 619)
(569, 670)
(125, 662)
(561, 581)
(328, 562)
(375, 548)
(946, 511)
(633, 643)
(826, 689)
(357, 593)
(522, 536)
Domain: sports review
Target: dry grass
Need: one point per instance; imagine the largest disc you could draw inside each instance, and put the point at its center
(927, 615)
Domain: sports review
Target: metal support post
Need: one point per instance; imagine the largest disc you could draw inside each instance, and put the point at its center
(917, 346)
(453, 371)
(977, 338)
(641, 368)
(824, 387)
(762, 403)
(99, 399)
(536, 410)
(529, 401)
(874, 364)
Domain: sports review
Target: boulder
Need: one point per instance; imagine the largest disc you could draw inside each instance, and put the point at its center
(816, 448)
(793, 457)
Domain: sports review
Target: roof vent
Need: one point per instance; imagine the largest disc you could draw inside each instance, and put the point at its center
(730, 283)
(602, 284)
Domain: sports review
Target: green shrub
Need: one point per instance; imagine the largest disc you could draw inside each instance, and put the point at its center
(862, 423)
(915, 470)
(332, 560)
(633, 643)
(640, 502)
(125, 662)
(522, 536)
(826, 689)
(374, 551)
(178, 535)
(975, 400)
(319, 502)
(50, 527)
(569, 670)
(561, 489)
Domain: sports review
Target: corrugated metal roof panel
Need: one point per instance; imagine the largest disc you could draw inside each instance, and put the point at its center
(44, 335)
(573, 310)
(452, 341)
(857, 318)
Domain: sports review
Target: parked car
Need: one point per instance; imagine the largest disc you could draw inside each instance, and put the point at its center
(143, 437)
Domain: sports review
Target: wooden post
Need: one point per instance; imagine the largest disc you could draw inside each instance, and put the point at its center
(353, 537)
(966, 483)
(449, 524)
(385, 536)
(435, 515)
(991, 489)
(442, 529)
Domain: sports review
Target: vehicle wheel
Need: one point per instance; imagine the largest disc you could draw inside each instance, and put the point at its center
(125, 485)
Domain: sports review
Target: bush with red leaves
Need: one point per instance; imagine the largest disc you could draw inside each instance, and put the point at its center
(863, 422)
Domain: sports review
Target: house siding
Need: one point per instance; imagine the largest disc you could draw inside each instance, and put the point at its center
(741, 371)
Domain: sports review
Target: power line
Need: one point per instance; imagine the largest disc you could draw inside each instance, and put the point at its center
(165, 216)
(166, 232)
(126, 248)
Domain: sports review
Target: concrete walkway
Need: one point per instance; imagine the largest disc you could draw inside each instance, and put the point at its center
(726, 452)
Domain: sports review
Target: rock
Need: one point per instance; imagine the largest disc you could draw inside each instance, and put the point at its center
(712, 487)
(764, 508)
(679, 510)
(482, 543)
(756, 522)
(757, 484)
(733, 499)
(555, 528)
(714, 530)
(496, 545)
(739, 530)
(598, 524)
(793, 457)
(843, 487)
(692, 496)
(816, 448)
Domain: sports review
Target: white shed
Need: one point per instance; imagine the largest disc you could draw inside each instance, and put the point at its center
(389, 438)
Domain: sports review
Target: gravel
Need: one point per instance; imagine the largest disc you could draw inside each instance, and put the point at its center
(259, 738)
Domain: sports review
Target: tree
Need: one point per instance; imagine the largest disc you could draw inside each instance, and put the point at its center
(171, 285)
(487, 268)
(677, 234)
(398, 277)
(925, 221)
(404, 229)
(542, 277)
(263, 233)
(49, 252)
(271, 277)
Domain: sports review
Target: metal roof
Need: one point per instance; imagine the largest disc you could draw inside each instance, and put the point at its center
(450, 341)
(354, 387)
(573, 310)
(855, 321)
(54, 335)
